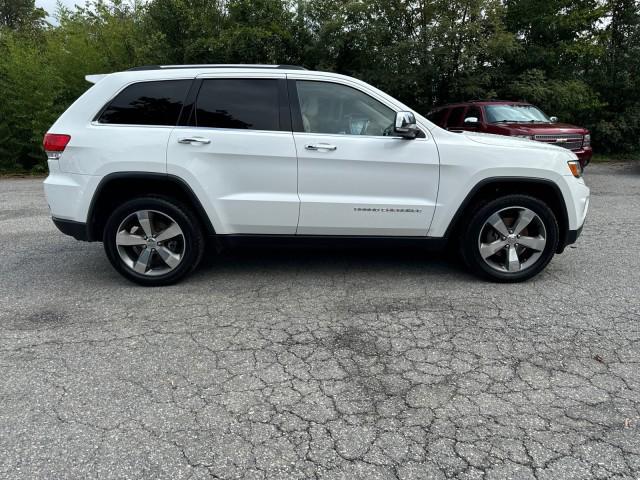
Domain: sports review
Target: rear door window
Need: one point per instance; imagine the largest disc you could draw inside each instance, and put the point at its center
(147, 103)
(455, 117)
(250, 104)
(438, 117)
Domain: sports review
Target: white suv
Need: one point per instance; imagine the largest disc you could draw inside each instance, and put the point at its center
(155, 160)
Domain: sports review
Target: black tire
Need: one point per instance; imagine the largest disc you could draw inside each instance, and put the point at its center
(193, 243)
(469, 240)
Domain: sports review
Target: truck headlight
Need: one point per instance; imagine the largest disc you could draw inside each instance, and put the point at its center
(586, 140)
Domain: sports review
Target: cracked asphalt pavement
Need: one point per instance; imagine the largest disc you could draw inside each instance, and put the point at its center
(345, 364)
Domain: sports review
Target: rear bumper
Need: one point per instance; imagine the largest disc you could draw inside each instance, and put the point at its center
(68, 194)
(77, 230)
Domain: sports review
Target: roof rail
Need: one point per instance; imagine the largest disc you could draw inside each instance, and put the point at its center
(241, 65)
(488, 100)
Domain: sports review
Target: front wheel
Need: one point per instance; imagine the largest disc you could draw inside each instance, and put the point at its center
(510, 239)
(153, 241)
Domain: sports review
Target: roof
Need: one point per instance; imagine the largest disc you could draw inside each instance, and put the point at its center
(482, 103)
(113, 82)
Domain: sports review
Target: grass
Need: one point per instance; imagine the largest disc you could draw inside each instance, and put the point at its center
(22, 173)
(615, 157)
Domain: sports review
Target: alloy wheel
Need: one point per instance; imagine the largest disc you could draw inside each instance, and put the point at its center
(512, 239)
(150, 242)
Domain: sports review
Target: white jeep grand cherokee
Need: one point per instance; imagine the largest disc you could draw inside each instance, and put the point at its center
(155, 160)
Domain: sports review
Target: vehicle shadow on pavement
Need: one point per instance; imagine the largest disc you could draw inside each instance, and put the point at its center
(313, 259)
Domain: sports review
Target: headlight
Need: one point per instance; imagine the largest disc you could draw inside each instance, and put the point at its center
(575, 167)
(528, 137)
(586, 140)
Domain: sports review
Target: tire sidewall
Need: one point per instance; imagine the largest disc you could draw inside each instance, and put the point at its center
(471, 249)
(187, 223)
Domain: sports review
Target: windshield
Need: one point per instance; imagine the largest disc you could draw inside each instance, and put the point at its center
(515, 113)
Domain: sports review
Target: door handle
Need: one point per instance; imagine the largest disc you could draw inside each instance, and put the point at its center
(192, 140)
(321, 146)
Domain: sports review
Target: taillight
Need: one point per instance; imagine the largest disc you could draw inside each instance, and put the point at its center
(54, 144)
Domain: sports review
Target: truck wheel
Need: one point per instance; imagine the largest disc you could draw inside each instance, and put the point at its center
(153, 240)
(510, 239)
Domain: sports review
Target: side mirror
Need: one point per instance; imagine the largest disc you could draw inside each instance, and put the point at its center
(406, 125)
(553, 119)
(471, 122)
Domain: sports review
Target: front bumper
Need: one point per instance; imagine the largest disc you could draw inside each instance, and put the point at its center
(577, 200)
(584, 155)
(573, 235)
(570, 238)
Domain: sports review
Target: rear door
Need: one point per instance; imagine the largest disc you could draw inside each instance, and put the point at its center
(475, 112)
(237, 152)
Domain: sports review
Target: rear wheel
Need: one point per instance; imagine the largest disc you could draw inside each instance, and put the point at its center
(153, 240)
(510, 239)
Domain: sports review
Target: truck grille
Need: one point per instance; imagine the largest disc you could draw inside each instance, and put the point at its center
(570, 141)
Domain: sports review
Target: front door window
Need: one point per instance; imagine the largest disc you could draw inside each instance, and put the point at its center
(332, 108)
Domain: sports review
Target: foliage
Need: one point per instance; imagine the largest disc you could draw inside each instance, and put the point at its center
(21, 14)
(577, 59)
(27, 106)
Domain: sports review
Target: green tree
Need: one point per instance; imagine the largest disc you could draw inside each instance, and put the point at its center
(617, 127)
(20, 14)
(183, 31)
(578, 59)
(30, 107)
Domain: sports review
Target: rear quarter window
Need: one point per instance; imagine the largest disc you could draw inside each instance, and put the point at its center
(147, 103)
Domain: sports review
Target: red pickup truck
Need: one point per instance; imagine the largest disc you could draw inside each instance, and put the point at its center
(516, 119)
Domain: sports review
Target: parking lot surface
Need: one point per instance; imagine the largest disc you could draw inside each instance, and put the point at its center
(348, 364)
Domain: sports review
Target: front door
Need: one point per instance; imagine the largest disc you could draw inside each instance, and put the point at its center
(237, 152)
(354, 176)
